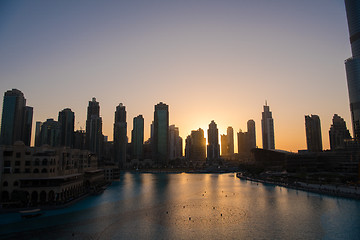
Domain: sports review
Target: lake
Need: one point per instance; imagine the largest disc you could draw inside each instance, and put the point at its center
(193, 206)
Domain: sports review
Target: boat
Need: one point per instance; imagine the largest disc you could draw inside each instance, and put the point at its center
(31, 213)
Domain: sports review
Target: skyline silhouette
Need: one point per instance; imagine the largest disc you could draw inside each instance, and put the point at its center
(218, 60)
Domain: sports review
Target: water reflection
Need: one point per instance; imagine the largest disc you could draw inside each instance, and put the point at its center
(183, 206)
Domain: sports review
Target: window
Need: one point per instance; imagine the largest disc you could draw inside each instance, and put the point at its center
(8, 153)
(37, 162)
(44, 162)
(18, 155)
(17, 170)
(27, 153)
(17, 163)
(7, 163)
(36, 170)
(5, 184)
(44, 170)
(27, 163)
(16, 183)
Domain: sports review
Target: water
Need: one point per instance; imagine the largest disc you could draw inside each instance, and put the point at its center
(190, 206)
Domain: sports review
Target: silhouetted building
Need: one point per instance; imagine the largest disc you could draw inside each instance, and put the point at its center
(137, 137)
(120, 136)
(67, 121)
(224, 145)
(94, 137)
(16, 122)
(175, 143)
(195, 149)
(50, 133)
(353, 64)
(230, 140)
(80, 139)
(251, 134)
(243, 142)
(160, 138)
(267, 124)
(213, 148)
(313, 133)
(338, 133)
(37, 133)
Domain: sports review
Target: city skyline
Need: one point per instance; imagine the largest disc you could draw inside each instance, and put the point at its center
(154, 53)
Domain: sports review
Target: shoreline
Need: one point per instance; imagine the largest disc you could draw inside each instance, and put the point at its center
(329, 190)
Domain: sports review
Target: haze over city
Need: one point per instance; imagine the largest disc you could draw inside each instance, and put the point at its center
(208, 60)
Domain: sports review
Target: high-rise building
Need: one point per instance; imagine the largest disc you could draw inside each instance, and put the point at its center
(213, 148)
(50, 133)
(175, 143)
(243, 142)
(120, 136)
(267, 124)
(338, 133)
(16, 122)
(352, 64)
(224, 145)
(94, 136)
(37, 134)
(160, 138)
(66, 119)
(230, 140)
(251, 134)
(313, 133)
(137, 137)
(195, 149)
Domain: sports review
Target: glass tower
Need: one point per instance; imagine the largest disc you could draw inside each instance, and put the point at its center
(352, 64)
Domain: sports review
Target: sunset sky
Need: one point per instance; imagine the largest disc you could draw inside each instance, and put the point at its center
(208, 60)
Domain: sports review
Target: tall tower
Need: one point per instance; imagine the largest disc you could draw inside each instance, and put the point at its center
(66, 119)
(230, 140)
(338, 133)
(120, 135)
(94, 137)
(137, 137)
(313, 133)
(267, 124)
(16, 122)
(196, 147)
(213, 148)
(160, 139)
(175, 143)
(50, 133)
(251, 134)
(352, 64)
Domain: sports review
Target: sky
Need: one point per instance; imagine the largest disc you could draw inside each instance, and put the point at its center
(208, 60)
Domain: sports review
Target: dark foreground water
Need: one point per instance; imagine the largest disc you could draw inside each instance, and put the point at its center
(193, 206)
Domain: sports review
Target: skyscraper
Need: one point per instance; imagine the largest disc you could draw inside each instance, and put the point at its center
(137, 137)
(251, 134)
(175, 143)
(313, 133)
(213, 148)
(66, 119)
(16, 122)
(338, 133)
(120, 135)
(267, 124)
(94, 137)
(224, 145)
(230, 140)
(196, 147)
(160, 139)
(37, 134)
(50, 133)
(352, 64)
(243, 142)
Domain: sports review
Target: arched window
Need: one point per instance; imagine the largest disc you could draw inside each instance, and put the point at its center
(44, 170)
(44, 162)
(36, 170)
